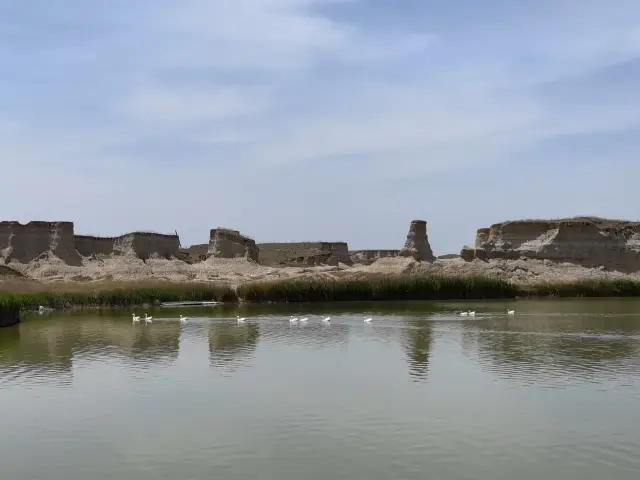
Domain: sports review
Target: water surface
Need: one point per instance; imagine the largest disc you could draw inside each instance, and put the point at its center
(419, 393)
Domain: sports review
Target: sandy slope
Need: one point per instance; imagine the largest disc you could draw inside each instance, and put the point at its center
(49, 268)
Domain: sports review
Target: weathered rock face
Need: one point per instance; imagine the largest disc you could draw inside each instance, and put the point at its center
(227, 243)
(586, 241)
(417, 243)
(140, 244)
(24, 243)
(304, 254)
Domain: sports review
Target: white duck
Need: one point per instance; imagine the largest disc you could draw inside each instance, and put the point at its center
(326, 320)
(136, 318)
(147, 318)
(293, 320)
(368, 320)
(304, 320)
(240, 320)
(511, 312)
(183, 319)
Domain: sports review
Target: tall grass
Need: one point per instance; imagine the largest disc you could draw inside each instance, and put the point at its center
(117, 297)
(319, 290)
(380, 288)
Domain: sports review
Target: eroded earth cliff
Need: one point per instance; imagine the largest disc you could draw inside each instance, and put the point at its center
(586, 241)
(521, 251)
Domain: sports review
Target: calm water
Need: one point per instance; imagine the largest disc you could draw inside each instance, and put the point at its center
(420, 393)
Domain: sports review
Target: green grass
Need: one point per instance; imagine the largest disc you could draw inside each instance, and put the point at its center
(117, 297)
(381, 288)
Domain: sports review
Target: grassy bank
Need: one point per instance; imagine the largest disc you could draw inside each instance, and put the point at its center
(382, 288)
(118, 297)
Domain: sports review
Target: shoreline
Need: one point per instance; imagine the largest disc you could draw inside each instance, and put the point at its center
(309, 290)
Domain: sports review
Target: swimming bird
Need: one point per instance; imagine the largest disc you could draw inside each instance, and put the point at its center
(183, 319)
(368, 320)
(293, 320)
(136, 318)
(304, 320)
(241, 319)
(326, 319)
(472, 314)
(147, 318)
(464, 314)
(41, 309)
(511, 312)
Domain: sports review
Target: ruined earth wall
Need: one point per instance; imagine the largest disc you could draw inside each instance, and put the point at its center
(228, 243)
(140, 244)
(304, 253)
(25, 243)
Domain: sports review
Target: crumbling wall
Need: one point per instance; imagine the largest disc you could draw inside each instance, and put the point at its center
(367, 257)
(587, 241)
(140, 244)
(145, 245)
(227, 243)
(417, 243)
(304, 254)
(87, 245)
(195, 253)
(25, 243)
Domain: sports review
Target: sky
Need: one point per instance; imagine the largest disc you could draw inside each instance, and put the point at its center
(318, 120)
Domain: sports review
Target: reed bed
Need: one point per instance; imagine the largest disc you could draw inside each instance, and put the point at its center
(380, 288)
(120, 297)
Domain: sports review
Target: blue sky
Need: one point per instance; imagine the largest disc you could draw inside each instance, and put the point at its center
(330, 120)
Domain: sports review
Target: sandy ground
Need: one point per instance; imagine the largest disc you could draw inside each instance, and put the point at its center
(50, 272)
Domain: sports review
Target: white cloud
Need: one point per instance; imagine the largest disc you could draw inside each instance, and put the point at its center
(240, 106)
(172, 106)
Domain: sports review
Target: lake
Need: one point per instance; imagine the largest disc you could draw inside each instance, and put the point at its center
(553, 392)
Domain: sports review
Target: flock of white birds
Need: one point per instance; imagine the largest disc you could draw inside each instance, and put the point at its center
(472, 313)
(241, 320)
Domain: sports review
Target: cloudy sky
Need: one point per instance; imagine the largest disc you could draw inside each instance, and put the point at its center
(329, 120)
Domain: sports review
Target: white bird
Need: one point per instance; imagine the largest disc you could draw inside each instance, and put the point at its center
(147, 318)
(472, 314)
(136, 318)
(183, 319)
(41, 309)
(326, 319)
(511, 312)
(464, 314)
(241, 319)
(304, 320)
(293, 320)
(368, 320)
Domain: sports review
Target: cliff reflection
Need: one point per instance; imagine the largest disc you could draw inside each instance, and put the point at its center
(417, 339)
(550, 349)
(46, 348)
(231, 345)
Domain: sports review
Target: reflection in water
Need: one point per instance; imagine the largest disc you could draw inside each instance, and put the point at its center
(44, 349)
(324, 401)
(555, 350)
(417, 338)
(230, 345)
